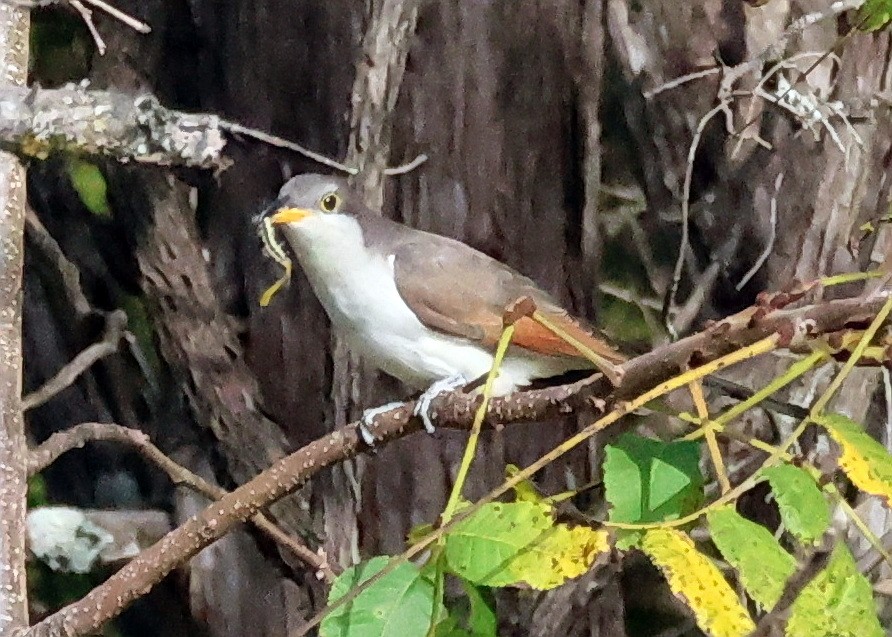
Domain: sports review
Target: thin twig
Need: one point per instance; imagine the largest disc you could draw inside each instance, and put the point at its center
(669, 299)
(279, 142)
(679, 81)
(41, 239)
(87, 17)
(405, 168)
(65, 377)
(79, 435)
(776, 49)
(772, 235)
(272, 140)
(129, 20)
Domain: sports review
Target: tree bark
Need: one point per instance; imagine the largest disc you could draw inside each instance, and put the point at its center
(14, 23)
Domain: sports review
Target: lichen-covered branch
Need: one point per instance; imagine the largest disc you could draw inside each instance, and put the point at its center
(36, 122)
(13, 452)
(795, 327)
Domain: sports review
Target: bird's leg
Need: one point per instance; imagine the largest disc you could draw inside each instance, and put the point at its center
(367, 422)
(423, 404)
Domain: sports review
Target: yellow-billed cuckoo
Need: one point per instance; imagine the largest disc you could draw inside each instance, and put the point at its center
(421, 307)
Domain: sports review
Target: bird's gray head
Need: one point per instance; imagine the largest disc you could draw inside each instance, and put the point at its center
(311, 196)
(316, 213)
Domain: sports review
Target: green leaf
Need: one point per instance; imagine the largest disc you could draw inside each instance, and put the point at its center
(474, 619)
(864, 460)
(803, 508)
(650, 481)
(874, 15)
(400, 603)
(518, 543)
(482, 618)
(763, 566)
(90, 185)
(450, 627)
(698, 583)
(837, 603)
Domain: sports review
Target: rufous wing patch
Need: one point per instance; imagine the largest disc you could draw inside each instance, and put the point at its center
(530, 335)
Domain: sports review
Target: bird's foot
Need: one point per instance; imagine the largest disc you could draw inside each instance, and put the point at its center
(367, 422)
(423, 404)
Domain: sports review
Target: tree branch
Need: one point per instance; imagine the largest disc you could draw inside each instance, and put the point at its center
(78, 436)
(13, 451)
(795, 326)
(37, 122)
(114, 330)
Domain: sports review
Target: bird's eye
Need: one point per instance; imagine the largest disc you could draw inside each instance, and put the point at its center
(329, 202)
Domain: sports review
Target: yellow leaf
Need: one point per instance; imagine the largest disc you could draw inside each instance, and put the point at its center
(864, 460)
(525, 490)
(518, 543)
(698, 583)
(564, 553)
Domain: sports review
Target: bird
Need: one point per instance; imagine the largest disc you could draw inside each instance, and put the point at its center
(423, 308)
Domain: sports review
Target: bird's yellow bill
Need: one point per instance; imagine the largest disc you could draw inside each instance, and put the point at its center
(290, 215)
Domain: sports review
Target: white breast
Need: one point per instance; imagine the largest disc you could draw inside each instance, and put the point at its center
(357, 289)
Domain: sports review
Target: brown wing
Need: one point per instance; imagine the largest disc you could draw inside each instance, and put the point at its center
(457, 290)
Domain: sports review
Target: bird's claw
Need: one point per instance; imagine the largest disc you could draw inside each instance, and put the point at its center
(423, 404)
(367, 422)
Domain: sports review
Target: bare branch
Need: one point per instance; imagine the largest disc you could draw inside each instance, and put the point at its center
(772, 235)
(669, 299)
(114, 331)
(13, 450)
(40, 238)
(456, 410)
(406, 168)
(680, 81)
(87, 17)
(272, 140)
(129, 20)
(78, 436)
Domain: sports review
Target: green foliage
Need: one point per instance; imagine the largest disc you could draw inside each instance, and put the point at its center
(874, 15)
(650, 481)
(90, 185)
(623, 320)
(399, 604)
(763, 566)
(37, 495)
(479, 620)
(652, 484)
(803, 508)
(139, 323)
(518, 543)
(482, 618)
(864, 460)
(838, 602)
